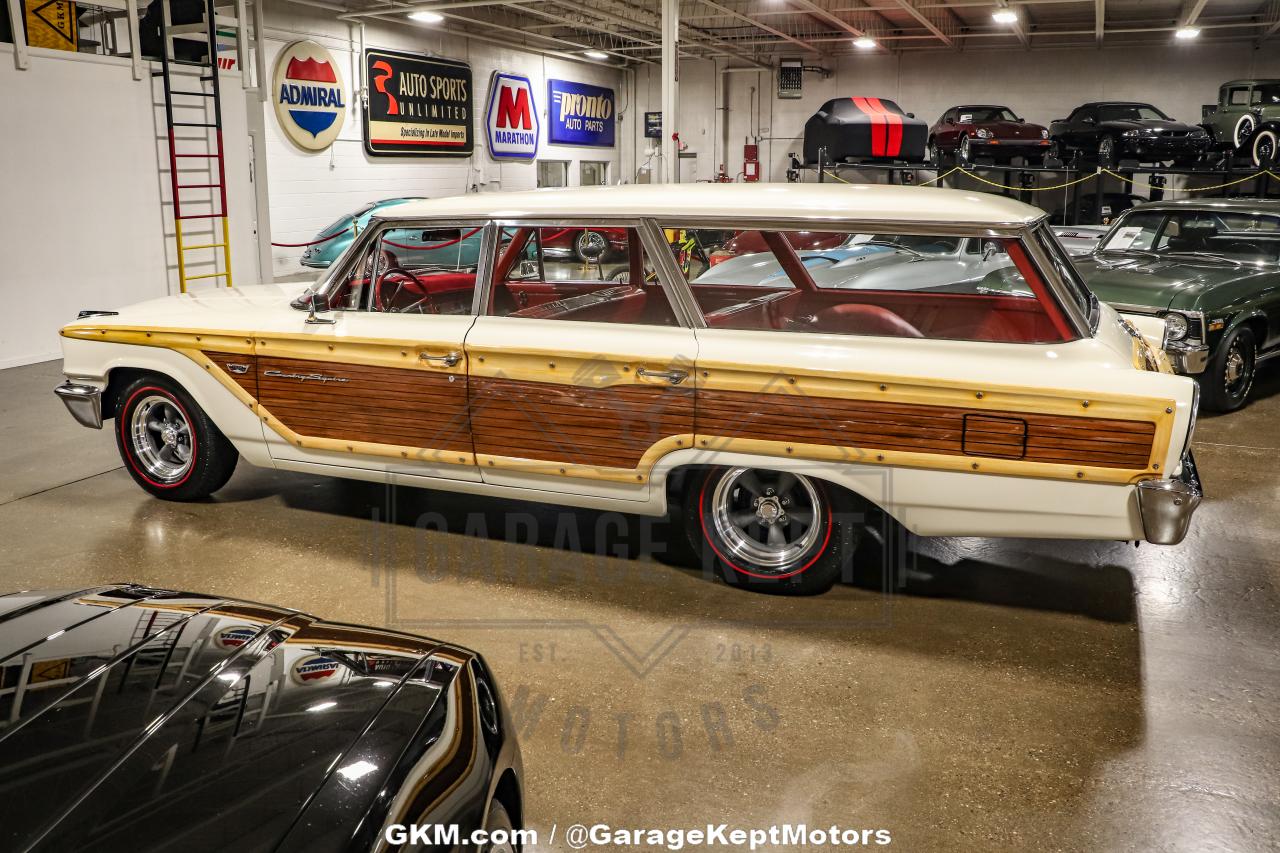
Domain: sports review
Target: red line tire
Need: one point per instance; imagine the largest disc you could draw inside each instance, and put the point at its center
(169, 445)
(772, 531)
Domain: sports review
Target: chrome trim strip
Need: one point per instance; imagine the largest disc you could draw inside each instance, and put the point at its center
(1049, 272)
(673, 282)
(484, 270)
(84, 402)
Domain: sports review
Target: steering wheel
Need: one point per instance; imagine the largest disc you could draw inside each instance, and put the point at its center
(423, 305)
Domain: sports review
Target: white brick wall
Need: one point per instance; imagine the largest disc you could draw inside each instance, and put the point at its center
(310, 190)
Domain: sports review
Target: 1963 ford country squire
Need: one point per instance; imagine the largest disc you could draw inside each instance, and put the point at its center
(1003, 402)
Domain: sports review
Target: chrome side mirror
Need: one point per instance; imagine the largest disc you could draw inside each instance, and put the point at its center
(315, 302)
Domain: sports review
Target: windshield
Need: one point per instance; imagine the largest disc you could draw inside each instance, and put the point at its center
(1130, 112)
(981, 114)
(1268, 95)
(1240, 237)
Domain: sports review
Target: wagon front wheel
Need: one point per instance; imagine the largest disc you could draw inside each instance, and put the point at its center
(168, 444)
(772, 531)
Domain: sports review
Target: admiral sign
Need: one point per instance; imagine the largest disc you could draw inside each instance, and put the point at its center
(418, 106)
(580, 114)
(315, 669)
(512, 119)
(309, 97)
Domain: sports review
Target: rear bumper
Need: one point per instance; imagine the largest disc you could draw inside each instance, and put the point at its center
(1167, 505)
(84, 402)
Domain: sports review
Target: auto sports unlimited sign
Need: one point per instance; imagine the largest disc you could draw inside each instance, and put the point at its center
(418, 106)
(511, 122)
(309, 98)
(580, 114)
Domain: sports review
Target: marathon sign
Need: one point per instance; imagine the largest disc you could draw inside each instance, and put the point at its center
(512, 119)
(580, 114)
(418, 106)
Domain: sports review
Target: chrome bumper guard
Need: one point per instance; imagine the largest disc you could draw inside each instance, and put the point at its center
(1167, 505)
(84, 402)
(1188, 359)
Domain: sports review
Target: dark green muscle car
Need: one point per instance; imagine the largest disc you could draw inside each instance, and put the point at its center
(1203, 278)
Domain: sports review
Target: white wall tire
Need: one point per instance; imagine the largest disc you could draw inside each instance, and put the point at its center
(1264, 149)
(1244, 129)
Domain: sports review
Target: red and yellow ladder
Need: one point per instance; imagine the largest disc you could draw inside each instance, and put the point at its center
(217, 182)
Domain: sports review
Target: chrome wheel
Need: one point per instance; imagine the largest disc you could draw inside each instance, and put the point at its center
(161, 438)
(1237, 373)
(965, 150)
(767, 519)
(1264, 149)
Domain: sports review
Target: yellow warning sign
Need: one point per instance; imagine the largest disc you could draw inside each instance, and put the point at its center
(50, 670)
(52, 24)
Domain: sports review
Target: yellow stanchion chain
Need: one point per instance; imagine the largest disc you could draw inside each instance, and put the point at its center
(1090, 177)
(1148, 186)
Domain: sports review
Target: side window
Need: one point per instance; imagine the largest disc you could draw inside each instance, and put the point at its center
(1238, 97)
(589, 274)
(424, 269)
(884, 284)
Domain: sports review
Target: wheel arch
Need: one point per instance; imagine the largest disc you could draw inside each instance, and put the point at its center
(507, 791)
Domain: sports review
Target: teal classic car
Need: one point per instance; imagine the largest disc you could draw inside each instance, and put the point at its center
(1246, 121)
(464, 252)
(1201, 278)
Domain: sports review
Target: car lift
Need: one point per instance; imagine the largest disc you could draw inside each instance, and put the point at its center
(1023, 182)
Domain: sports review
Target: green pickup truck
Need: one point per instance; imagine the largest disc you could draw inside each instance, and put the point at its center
(1246, 122)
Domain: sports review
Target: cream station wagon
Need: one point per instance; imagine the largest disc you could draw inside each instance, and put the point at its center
(761, 414)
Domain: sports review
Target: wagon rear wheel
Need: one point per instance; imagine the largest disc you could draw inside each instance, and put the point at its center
(772, 531)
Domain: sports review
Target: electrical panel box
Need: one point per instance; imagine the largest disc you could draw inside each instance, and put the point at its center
(790, 78)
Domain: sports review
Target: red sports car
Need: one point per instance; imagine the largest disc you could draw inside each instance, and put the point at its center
(585, 245)
(984, 130)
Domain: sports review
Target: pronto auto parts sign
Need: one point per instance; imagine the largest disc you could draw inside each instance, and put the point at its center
(308, 95)
(418, 106)
(511, 122)
(580, 114)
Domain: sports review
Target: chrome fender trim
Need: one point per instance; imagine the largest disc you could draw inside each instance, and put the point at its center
(1167, 505)
(84, 402)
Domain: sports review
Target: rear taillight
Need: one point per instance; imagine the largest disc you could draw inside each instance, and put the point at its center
(718, 257)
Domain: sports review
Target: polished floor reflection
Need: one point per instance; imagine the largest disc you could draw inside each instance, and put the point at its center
(989, 694)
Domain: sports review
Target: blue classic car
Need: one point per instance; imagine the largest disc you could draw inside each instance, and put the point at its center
(463, 253)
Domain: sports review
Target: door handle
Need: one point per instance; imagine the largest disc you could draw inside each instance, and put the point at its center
(449, 359)
(675, 377)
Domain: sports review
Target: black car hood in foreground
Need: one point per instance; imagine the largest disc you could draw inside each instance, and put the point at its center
(139, 719)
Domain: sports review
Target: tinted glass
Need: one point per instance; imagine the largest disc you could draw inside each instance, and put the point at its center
(888, 285)
(1235, 237)
(418, 270)
(981, 114)
(1130, 112)
(1267, 94)
(594, 274)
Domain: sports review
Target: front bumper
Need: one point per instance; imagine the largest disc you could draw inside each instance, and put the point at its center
(1187, 358)
(1010, 146)
(84, 402)
(1163, 148)
(1167, 505)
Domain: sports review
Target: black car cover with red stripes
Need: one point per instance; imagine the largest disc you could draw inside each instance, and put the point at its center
(864, 129)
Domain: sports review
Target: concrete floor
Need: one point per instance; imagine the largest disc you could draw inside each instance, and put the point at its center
(1015, 694)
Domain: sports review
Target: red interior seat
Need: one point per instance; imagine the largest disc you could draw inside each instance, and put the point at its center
(852, 319)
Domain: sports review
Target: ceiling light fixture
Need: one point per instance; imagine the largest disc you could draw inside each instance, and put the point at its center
(864, 43)
(1004, 16)
(426, 17)
(1186, 33)
(596, 54)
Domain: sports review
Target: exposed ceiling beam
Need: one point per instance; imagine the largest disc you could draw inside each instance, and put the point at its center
(1016, 26)
(1191, 12)
(932, 22)
(405, 8)
(819, 12)
(652, 23)
(756, 22)
(1099, 19)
